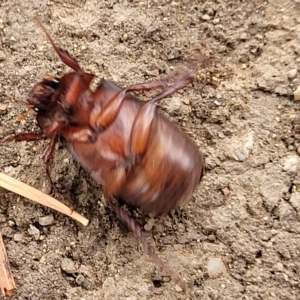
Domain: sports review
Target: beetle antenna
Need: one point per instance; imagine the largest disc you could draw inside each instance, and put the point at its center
(63, 54)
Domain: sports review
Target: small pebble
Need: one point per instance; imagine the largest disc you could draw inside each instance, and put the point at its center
(215, 80)
(3, 107)
(297, 93)
(68, 266)
(216, 21)
(186, 101)
(244, 36)
(239, 148)
(46, 220)
(178, 289)
(80, 279)
(212, 238)
(216, 267)
(174, 105)
(34, 232)
(7, 169)
(150, 224)
(279, 267)
(205, 17)
(11, 223)
(125, 37)
(18, 237)
(43, 259)
(286, 277)
(225, 191)
(221, 134)
(292, 74)
(2, 56)
(291, 164)
(242, 289)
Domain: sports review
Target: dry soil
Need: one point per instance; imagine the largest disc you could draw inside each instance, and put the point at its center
(241, 112)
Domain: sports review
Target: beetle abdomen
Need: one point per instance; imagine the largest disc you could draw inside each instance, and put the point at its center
(168, 172)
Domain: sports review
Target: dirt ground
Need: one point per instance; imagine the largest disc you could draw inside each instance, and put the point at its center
(241, 112)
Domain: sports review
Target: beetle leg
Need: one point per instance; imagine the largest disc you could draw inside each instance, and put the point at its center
(79, 85)
(131, 224)
(146, 86)
(47, 156)
(141, 129)
(78, 133)
(54, 127)
(179, 84)
(135, 228)
(48, 153)
(111, 109)
(28, 137)
(142, 124)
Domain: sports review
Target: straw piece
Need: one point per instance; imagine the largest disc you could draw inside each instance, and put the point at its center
(7, 283)
(33, 194)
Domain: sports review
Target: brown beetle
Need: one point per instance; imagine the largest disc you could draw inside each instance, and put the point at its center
(128, 147)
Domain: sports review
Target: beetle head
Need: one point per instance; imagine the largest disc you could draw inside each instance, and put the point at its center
(43, 95)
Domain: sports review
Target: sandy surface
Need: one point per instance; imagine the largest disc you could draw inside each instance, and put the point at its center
(241, 112)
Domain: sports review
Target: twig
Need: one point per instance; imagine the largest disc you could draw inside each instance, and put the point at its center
(7, 283)
(33, 194)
